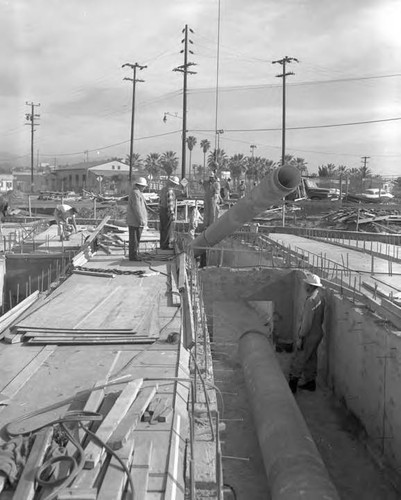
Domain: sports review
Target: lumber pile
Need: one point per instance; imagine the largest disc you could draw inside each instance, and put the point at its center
(68, 336)
(372, 220)
(111, 452)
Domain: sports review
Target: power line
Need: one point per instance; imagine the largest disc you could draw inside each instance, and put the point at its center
(233, 88)
(306, 127)
(110, 145)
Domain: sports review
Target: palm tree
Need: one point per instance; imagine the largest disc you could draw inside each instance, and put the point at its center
(169, 162)
(137, 162)
(217, 160)
(237, 165)
(205, 145)
(152, 164)
(191, 143)
(300, 163)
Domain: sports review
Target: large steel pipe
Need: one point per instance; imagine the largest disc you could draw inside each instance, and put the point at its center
(292, 462)
(272, 188)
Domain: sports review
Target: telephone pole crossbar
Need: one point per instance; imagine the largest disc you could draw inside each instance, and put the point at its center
(183, 68)
(134, 81)
(32, 122)
(283, 75)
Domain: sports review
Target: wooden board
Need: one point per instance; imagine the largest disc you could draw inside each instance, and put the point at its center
(115, 478)
(128, 424)
(141, 466)
(174, 452)
(93, 451)
(88, 341)
(27, 372)
(26, 485)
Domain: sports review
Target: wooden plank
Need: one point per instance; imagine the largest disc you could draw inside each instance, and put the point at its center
(11, 389)
(63, 330)
(78, 341)
(26, 485)
(79, 494)
(174, 453)
(91, 239)
(83, 334)
(181, 272)
(93, 273)
(115, 478)
(128, 424)
(13, 314)
(116, 414)
(140, 468)
(188, 326)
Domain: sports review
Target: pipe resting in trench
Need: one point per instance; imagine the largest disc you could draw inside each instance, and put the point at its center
(292, 462)
(271, 189)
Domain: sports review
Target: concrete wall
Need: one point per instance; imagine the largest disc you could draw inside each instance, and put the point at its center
(360, 359)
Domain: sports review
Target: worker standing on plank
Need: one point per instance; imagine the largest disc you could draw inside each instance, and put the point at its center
(65, 218)
(310, 335)
(211, 201)
(137, 217)
(167, 212)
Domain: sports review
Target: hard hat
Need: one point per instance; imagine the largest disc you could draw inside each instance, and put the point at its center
(212, 174)
(313, 279)
(141, 181)
(175, 180)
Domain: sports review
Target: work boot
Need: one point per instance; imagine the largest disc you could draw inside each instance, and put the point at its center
(293, 383)
(309, 386)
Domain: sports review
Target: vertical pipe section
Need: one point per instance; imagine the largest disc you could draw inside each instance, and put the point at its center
(272, 188)
(292, 462)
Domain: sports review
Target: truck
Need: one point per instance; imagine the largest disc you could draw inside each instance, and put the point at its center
(308, 189)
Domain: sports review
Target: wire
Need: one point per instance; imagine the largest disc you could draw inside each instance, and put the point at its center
(303, 127)
(110, 145)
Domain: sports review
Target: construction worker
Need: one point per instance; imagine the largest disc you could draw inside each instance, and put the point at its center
(65, 219)
(167, 211)
(310, 334)
(241, 189)
(137, 217)
(194, 219)
(212, 199)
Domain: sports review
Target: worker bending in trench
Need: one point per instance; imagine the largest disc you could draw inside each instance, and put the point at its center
(65, 219)
(310, 335)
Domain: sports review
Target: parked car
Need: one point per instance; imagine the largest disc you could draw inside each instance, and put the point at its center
(371, 195)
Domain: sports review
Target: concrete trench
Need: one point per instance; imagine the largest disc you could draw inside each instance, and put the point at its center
(237, 301)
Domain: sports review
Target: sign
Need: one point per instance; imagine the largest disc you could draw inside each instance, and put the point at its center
(99, 178)
(184, 182)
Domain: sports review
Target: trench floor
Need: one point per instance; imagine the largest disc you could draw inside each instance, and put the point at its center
(355, 474)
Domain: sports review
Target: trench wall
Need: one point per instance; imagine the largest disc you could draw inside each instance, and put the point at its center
(360, 360)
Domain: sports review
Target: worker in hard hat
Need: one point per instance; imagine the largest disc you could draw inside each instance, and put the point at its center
(65, 219)
(310, 334)
(241, 189)
(167, 211)
(137, 217)
(212, 198)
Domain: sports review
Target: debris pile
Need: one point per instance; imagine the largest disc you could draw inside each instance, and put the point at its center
(373, 220)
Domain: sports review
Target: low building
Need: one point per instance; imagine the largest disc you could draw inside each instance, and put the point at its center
(6, 183)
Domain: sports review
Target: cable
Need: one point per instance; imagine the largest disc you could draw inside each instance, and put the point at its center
(275, 129)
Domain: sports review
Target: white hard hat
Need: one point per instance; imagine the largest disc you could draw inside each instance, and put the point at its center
(175, 180)
(313, 279)
(141, 181)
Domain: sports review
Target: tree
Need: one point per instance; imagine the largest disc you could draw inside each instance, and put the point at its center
(237, 165)
(327, 170)
(152, 164)
(191, 143)
(205, 145)
(169, 162)
(137, 162)
(217, 160)
(301, 165)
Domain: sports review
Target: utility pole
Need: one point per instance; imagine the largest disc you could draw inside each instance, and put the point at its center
(184, 69)
(252, 148)
(365, 161)
(134, 80)
(31, 118)
(283, 75)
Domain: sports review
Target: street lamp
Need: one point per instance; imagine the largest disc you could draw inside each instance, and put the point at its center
(175, 115)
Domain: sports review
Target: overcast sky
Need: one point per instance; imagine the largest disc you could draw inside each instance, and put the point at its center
(67, 56)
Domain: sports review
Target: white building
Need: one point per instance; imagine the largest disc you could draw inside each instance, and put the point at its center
(6, 183)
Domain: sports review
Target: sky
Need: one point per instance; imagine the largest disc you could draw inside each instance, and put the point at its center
(67, 56)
